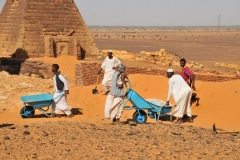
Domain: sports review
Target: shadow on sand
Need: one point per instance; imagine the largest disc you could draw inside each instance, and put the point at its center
(75, 112)
(195, 99)
(6, 125)
(12, 64)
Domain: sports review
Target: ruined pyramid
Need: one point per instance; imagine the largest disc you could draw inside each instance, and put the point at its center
(37, 28)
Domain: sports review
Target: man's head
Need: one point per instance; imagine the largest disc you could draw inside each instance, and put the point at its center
(170, 73)
(121, 68)
(183, 62)
(55, 68)
(109, 54)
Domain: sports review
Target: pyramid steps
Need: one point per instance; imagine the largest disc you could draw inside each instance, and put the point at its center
(44, 28)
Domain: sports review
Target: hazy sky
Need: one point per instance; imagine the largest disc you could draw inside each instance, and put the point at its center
(158, 12)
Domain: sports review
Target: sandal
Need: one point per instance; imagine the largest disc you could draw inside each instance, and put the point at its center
(58, 115)
(69, 116)
(52, 116)
(179, 121)
(190, 119)
(114, 120)
(184, 116)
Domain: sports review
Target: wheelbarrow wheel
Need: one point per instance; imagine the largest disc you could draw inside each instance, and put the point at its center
(140, 118)
(27, 112)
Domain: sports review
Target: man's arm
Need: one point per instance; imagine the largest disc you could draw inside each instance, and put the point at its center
(192, 84)
(170, 88)
(103, 66)
(123, 76)
(120, 80)
(191, 75)
(117, 62)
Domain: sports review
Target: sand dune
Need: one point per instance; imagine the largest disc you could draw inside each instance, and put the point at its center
(219, 102)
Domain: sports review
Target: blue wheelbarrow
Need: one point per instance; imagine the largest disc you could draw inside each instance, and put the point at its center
(38, 101)
(154, 110)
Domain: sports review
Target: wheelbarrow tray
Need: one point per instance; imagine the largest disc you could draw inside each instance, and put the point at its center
(38, 101)
(141, 104)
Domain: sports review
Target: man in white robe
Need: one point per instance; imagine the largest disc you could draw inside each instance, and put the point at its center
(60, 105)
(182, 96)
(109, 65)
(113, 106)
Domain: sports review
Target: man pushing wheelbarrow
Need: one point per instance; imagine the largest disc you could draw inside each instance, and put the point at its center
(60, 105)
(182, 94)
(57, 103)
(115, 103)
(113, 106)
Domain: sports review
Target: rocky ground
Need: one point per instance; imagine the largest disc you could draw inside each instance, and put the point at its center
(83, 140)
(164, 60)
(14, 86)
(78, 138)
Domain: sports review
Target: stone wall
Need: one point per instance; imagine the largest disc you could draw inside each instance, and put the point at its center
(86, 74)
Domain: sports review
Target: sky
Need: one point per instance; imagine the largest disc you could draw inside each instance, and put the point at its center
(158, 12)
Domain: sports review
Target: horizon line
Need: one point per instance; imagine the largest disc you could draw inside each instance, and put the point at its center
(215, 26)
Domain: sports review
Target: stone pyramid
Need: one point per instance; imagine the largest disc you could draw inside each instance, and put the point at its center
(37, 28)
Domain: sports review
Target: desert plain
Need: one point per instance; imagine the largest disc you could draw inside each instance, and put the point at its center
(205, 45)
(88, 135)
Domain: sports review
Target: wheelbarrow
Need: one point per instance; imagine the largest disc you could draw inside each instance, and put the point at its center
(37, 101)
(139, 104)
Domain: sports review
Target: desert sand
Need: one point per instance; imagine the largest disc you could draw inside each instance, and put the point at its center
(88, 135)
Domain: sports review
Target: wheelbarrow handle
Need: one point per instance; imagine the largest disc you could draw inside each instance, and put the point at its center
(53, 92)
(167, 106)
(129, 83)
(59, 95)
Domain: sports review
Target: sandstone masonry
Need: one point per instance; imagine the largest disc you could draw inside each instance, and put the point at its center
(37, 28)
(86, 74)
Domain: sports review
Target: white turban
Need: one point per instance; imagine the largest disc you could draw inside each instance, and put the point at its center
(170, 70)
(110, 51)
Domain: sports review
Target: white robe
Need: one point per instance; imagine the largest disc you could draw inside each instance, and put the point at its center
(60, 104)
(107, 66)
(182, 95)
(113, 106)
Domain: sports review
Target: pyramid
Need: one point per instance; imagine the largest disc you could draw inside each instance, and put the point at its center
(37, 28)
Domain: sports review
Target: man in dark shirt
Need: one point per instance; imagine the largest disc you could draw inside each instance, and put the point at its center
(188, 77)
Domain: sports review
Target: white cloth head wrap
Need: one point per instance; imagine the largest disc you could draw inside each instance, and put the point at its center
(170, 70)
(121, 68)
(110, 51)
